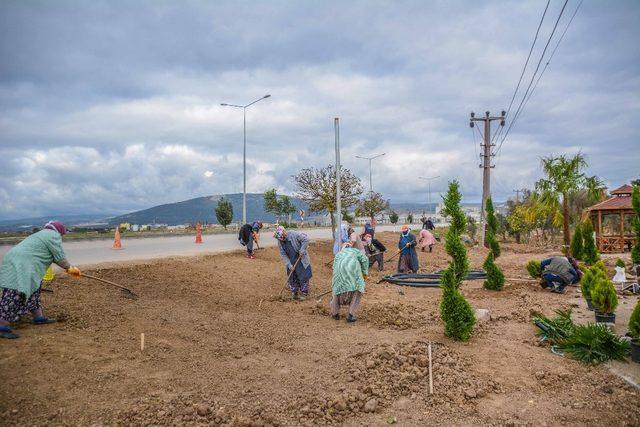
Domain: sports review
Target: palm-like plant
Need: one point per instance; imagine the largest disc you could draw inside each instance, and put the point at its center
(564, 179)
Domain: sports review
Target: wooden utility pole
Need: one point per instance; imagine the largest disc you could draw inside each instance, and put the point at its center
(486, 163)
(336, 125)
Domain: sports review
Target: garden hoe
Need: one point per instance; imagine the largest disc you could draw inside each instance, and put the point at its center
(127, 293)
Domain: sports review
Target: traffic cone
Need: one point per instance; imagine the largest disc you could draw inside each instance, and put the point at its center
(49, 275)
(198, 233)
(117, 244)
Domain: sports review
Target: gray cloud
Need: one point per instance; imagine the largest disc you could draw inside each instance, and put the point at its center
(113, 106)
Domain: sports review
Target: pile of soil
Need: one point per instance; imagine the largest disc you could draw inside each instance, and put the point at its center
(222, 349)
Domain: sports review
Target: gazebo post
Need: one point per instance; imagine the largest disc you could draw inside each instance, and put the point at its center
(621, 231)
(599, 236)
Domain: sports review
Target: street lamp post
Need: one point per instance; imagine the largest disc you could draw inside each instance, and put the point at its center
(429, 181)
(370, 158)
(244, 152)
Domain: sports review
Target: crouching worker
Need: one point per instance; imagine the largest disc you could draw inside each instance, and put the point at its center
(249, 234)
(23, 268)
(375, 251)
(558, 272)
(293, 251)
(350, 268)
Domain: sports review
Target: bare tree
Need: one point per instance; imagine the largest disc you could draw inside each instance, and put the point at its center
(372, 205)
(317, 187)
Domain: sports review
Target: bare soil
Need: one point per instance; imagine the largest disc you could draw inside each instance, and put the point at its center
(221, 349)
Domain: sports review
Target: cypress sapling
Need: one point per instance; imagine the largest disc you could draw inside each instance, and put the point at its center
(495, 278)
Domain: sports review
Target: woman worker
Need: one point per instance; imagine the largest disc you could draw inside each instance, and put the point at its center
(350, 268)
(426, 240)
(293, 251)
(248, 234)
(408, 261)
(23, 268)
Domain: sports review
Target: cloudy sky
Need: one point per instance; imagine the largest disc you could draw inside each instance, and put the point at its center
(113, 106)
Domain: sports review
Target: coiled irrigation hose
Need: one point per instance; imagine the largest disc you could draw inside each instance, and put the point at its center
(428, 280)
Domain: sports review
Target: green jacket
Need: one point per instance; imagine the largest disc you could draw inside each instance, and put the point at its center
(24, 266)
(349, 266)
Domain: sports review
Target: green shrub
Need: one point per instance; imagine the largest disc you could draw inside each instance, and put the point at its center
(589, 252)
(620, 263)
(576, 243)
(634, 322)
(603, 296)
(455, 311)
(492, 230)
(534, 268)
(599, 265)
(495, 277)
(594, 344)
(589, 279)
(588, 343)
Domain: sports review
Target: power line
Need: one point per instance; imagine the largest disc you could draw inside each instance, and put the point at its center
(528, 57)
(519, 109)
(553, 53)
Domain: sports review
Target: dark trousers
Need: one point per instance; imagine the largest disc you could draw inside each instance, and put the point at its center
(379, 258)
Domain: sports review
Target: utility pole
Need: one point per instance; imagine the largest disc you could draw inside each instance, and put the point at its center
(370, 158)
(486, 163)
(336, 124)
(429, 181)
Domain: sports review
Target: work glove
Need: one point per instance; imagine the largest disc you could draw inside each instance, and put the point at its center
(302, 252)
(289, 267)
(74, 271)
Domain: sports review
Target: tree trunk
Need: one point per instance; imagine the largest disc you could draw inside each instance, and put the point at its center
(565, 224)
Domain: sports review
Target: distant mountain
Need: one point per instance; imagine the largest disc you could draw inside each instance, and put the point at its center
(202, 209)
(68, 220)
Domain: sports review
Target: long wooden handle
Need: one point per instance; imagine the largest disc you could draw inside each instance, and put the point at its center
(398, 253)
(105, 281)
(289, 276)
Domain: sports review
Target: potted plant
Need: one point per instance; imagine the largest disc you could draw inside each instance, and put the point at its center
(634, 332)
(605, 300)
(586, 284)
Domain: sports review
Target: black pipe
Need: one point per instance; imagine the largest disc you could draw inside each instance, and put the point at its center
(428, 280)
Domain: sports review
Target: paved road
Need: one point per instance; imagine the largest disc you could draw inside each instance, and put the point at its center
(89, 252)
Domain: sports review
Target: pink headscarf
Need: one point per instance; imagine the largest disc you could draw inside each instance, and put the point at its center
(56, 226)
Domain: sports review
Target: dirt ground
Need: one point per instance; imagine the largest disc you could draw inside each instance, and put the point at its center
(221, 349)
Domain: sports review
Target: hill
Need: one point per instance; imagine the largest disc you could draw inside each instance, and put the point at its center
(201, 209)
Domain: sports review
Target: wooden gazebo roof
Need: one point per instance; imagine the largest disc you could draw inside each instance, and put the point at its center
(620, 200)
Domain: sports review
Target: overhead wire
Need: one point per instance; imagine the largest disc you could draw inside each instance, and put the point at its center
(533, 76)
(553, 53)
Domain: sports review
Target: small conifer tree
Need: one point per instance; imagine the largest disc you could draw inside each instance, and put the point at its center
(635, 202)
(620, 263)
(589, 253)
(534, 268)
(576, 243)
(495, 277)
(455, 311)
(604, 296)
(634, 322)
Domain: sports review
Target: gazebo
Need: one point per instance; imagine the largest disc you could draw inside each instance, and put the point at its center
(612, 221)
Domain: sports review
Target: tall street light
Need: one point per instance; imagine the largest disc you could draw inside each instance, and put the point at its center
(244, 153)
(429, 180)
(370, 158)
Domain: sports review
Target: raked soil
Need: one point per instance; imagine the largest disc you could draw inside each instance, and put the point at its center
(221, 349)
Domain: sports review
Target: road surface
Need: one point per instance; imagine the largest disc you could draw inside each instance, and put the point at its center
(90, 252)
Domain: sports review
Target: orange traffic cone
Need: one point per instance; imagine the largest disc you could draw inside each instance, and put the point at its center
(198, 233)
(117, 244)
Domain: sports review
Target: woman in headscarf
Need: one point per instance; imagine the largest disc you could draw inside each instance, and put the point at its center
(368, 229)
(294, 253)
(426, 240)
(23, 268)
(350, 269)
(408, 261)
(248, 234)
(342, 238)
(374, 250)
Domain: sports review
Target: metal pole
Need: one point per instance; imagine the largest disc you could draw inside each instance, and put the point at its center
(336, 123)
(429, 195)
(244, 168)
(486, 175)
(370, 179)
